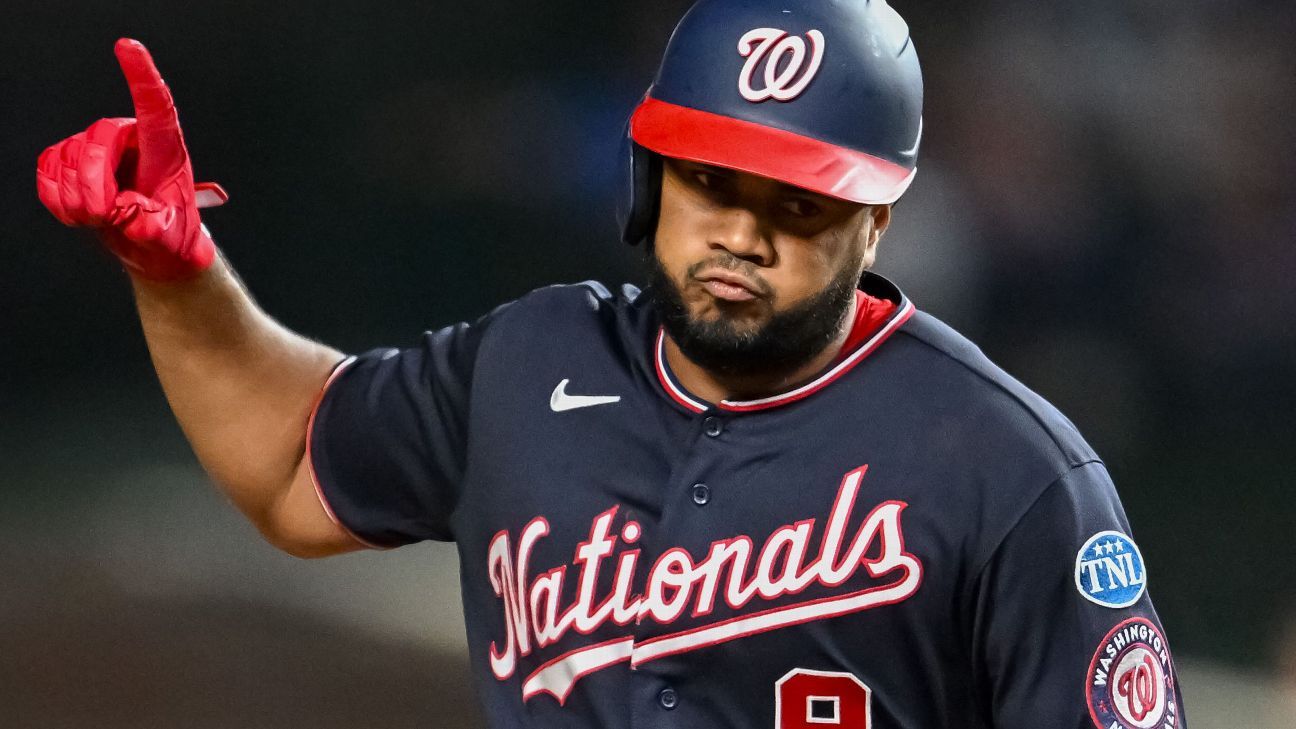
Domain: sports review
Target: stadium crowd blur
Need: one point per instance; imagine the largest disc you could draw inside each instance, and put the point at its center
(1105, 203)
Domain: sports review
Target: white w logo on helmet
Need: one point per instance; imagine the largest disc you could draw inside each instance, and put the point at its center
(770, 45)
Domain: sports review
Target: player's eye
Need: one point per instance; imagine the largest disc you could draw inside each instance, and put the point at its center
(800, 207)
(709, 180)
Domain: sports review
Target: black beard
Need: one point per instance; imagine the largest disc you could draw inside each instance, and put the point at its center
(787, 342)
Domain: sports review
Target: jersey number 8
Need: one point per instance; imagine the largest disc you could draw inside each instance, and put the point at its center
(806, 699)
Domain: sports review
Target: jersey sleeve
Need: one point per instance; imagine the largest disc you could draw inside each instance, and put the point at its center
(387, 439)
(1065, 634)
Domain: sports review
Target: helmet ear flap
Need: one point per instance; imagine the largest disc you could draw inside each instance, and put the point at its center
(641, 195)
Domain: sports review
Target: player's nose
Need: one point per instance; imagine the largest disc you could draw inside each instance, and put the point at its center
(741, 232)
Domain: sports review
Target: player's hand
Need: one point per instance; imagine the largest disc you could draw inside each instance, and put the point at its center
(131, 180)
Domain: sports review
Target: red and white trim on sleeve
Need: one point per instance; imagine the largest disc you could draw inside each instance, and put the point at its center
(310, 460)
(876, 321)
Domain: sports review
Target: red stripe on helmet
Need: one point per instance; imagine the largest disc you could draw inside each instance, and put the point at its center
(701, 136)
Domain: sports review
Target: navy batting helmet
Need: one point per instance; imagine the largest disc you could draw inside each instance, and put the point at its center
(821, 94)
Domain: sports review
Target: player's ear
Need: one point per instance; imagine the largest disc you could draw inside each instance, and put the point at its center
(881, 221)
(874, 223)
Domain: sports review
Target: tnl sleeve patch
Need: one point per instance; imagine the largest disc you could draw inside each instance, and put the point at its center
(1109, 570)
(1130, 684)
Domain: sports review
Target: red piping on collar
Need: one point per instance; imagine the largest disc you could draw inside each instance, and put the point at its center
(866, 342)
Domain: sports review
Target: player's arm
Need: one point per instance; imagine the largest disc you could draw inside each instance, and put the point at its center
(1064, 632)
(241, 385)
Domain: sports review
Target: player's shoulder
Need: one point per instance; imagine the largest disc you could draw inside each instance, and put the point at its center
(958, 375)
(584, 312)
(573, 306)
(577, 298)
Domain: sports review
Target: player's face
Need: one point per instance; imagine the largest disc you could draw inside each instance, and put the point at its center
(753, 275)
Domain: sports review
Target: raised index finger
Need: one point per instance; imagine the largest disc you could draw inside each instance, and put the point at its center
(161, 146)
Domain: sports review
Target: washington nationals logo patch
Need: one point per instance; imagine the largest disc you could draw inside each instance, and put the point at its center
(1109, 570)
(1131, 680)
(786, 72)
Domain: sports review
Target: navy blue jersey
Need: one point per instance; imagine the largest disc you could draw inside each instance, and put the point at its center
(912, 539)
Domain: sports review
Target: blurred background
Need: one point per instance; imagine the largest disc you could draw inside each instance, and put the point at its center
(1104, 204)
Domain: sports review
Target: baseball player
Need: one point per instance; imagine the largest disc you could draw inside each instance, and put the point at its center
(764, 491)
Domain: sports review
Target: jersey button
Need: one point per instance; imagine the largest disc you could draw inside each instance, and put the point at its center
(712, 426)
(668, 698)
(701, 494)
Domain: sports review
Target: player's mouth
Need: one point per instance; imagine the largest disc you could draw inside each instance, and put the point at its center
(729, 285)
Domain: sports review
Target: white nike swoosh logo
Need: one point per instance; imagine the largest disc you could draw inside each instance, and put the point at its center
(560, 400)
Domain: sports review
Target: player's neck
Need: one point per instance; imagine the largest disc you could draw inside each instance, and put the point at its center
(714, 387)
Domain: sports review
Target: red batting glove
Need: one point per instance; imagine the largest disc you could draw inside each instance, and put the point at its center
(131, 180)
